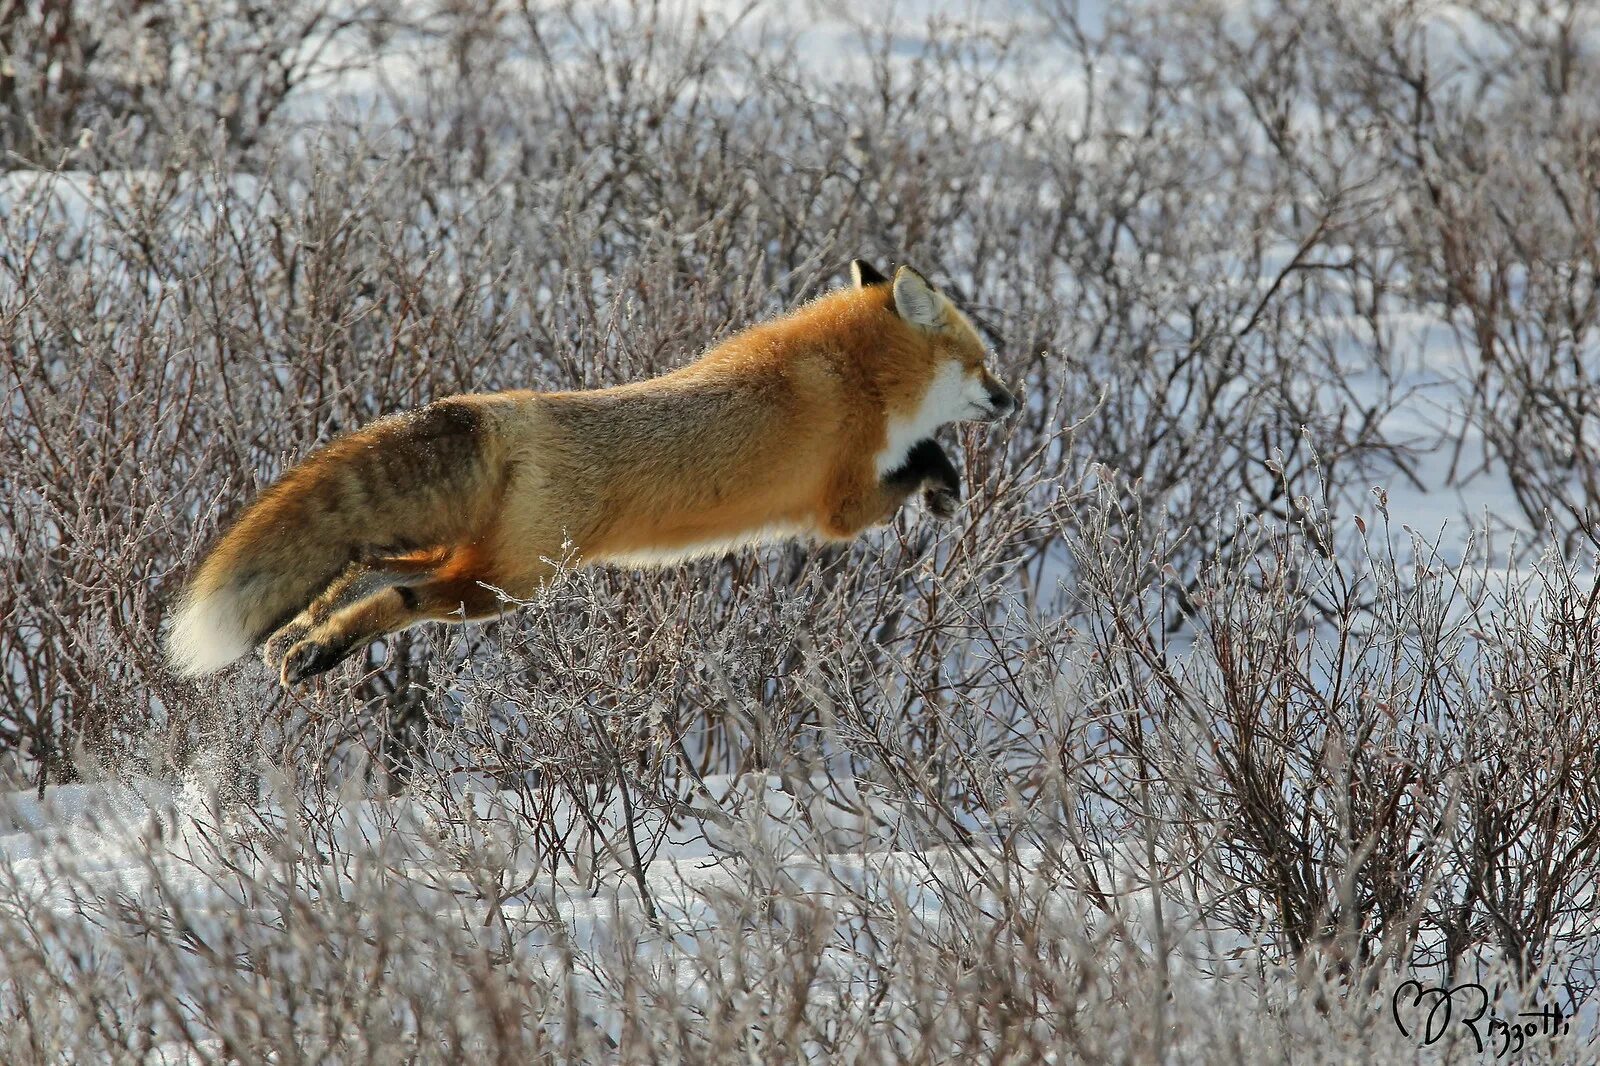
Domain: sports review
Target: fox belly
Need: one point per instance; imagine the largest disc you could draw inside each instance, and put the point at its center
(670, 550)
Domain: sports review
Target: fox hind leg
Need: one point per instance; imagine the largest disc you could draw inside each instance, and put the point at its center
(358, 581)
(388, 610)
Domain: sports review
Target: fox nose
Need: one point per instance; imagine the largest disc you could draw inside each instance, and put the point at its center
(1003, 402)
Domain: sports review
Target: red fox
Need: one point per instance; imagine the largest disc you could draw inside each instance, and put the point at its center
(816, 424)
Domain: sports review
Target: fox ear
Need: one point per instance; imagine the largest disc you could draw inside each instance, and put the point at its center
(864, 273)
(915, 300)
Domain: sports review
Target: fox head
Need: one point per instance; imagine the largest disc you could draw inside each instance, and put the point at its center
(940, 358)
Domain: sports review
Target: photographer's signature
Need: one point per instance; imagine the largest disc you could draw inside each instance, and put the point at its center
(1428, 1013)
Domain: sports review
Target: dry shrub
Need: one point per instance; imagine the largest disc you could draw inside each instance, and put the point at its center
(1172, 747)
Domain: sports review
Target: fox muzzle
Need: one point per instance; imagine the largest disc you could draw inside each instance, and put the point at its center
(1002, 402)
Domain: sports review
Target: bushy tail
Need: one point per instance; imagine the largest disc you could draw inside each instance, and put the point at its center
(426, 479)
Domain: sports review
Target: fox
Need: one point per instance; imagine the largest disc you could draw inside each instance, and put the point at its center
(814, 425)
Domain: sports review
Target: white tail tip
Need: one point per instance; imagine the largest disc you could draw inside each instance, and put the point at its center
(205, 635)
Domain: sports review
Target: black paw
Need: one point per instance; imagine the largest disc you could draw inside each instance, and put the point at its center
(309, 658)
(941, 501)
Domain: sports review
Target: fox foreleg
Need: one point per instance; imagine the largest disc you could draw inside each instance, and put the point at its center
(861, 501)
(928, 468)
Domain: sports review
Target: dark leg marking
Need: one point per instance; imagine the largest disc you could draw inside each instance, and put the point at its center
(925, 463)
(310, 658)
(928, 467)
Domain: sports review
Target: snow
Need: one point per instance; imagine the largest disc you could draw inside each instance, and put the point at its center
(84, 852)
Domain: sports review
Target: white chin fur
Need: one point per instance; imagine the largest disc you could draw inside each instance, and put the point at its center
(205, 636)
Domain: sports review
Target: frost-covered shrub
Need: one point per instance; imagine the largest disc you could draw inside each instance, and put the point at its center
(1177, 744)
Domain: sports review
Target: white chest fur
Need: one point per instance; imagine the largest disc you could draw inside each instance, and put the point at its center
(946, 400)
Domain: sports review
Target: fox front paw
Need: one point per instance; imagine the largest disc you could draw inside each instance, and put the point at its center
(941, 501)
